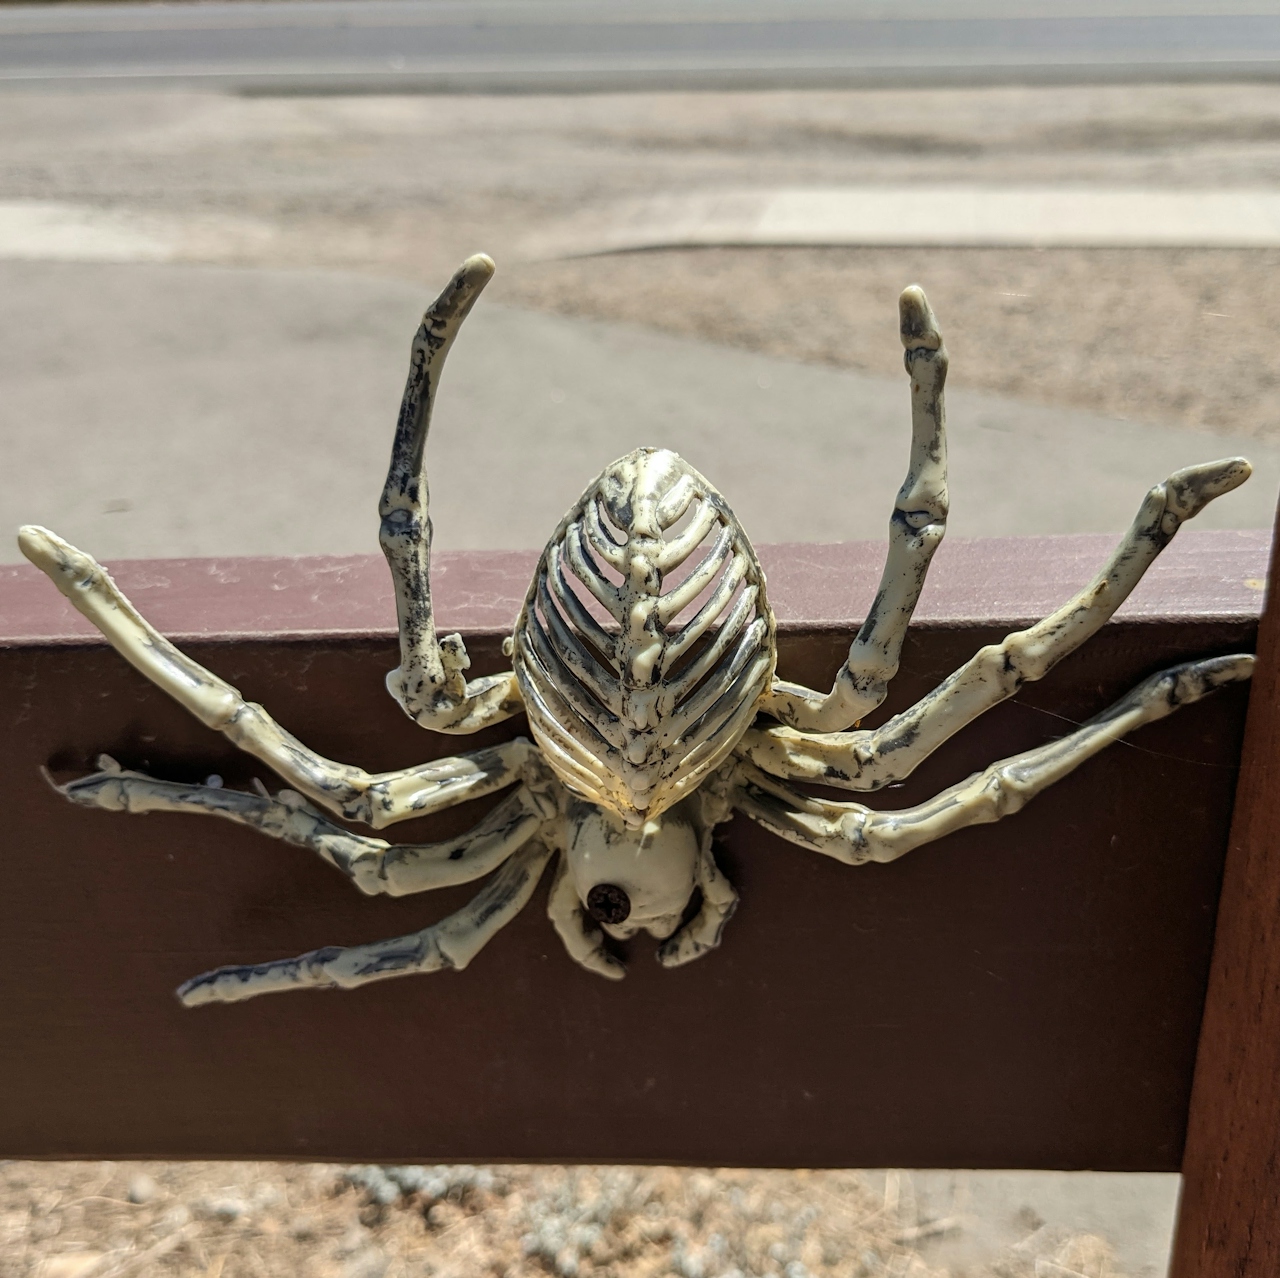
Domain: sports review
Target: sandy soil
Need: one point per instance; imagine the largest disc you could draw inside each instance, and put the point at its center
(1183, 337)
(254, 1220)
(406, 186)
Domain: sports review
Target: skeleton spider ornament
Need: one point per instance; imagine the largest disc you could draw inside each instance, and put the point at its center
(644, 658)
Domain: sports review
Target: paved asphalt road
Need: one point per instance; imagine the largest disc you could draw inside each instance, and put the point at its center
(593, 44)
(178, 410)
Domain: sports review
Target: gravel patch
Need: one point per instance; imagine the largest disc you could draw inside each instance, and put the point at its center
(273, 1220)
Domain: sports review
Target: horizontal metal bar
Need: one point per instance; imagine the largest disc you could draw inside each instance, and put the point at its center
(1024, 994)
(1003, 581)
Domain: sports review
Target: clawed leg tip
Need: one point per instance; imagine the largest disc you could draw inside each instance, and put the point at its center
(1228, 472)
(601, 964)
(679, 955)
(198, 992)
(475, 272)
(1197, 486)
(54, 556)
(455, 303)
(919, 327)
(40, 546)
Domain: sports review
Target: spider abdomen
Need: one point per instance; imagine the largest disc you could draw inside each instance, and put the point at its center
(646, 639)
(633, 878)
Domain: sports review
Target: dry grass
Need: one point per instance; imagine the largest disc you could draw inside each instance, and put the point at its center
(269, 1220)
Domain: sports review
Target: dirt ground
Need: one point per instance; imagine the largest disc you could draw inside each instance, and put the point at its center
(406, 186)
(1175, 336)
(269, 1220)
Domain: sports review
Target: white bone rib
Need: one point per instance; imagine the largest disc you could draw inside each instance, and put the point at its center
(429, 682)
(602, 683)
(868, 760)
(577, 613)
(730, 707)
(601, 542)
(709, 754)
(581, 774)
(916, 529)
(584, 707)
(714, 693)
(672, 505)
(679, 597)
(855, 834)
(585, 763)
(603, 591)
(571, 760)
(375, 799)
(451, 943)
(549, 709)
(641, 761)
(676, 551)
(697, 625)
(675, 690)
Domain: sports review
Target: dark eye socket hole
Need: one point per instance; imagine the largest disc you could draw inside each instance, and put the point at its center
(608, 903)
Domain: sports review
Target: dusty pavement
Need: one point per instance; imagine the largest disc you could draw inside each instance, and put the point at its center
(404, 187)
(211, 411)
(400, 188)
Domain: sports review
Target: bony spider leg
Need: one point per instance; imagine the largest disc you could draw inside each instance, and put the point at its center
(916, 528)
(704, 930)
(375, 799)
(429, 682)
(855, 834)
(373, 865)
(582, 939)
(870, 759)
(451, 943)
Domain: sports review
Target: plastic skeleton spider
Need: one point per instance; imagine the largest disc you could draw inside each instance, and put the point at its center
(644, 658)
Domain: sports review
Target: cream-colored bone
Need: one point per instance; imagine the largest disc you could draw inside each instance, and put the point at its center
(375, 866)
(430, 680)
(377, 799)
(704, 930)
(582, 939)
(633, 710)
(632, 706)
(916, 528)
(448, 945)
(856, 834)
(868, 760)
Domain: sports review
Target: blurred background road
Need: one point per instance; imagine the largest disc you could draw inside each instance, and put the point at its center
(543, 45)
(224, 285)
(219, 224)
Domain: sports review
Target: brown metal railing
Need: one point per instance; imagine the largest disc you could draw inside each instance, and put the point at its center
(1021, 995)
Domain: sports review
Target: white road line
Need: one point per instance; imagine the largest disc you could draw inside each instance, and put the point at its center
(49, 231)
(45, 231)
(1007, 216)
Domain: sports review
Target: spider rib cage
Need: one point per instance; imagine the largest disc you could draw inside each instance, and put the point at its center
(646, 638)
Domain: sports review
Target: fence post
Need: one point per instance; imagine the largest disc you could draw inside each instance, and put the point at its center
(1229, 1222)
